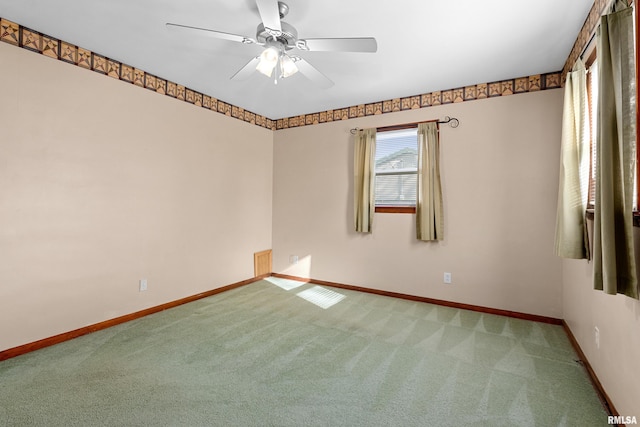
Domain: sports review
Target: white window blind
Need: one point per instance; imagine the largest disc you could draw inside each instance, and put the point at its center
(396, 167)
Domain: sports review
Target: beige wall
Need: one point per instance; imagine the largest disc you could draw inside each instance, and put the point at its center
(500, 175)
(617, 360)
(103, 183)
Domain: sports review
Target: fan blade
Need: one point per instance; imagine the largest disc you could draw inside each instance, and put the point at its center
(270, 14)
(310, 72)
(359, 44)
(247, 70)
(211, 33)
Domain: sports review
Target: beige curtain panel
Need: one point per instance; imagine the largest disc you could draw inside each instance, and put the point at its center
(571, 232)
(429, 207)
(614, 258)
(364, 179)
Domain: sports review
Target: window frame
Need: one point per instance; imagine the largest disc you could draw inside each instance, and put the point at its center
(395, 209)
(591, 109)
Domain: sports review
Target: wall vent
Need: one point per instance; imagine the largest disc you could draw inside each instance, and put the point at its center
(262, 263)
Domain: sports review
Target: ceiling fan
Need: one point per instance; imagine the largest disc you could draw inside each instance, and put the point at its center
(279, 39)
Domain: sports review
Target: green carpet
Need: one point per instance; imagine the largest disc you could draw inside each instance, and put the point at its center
(282, 353)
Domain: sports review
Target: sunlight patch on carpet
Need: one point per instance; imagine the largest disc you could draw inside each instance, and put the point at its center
(285, 284)
(322, 297)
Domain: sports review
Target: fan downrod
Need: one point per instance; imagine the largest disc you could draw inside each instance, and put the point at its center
(288, 35)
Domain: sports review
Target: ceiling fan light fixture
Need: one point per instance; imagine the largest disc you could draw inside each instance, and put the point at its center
(288, 66)
(278, 38)
(268, 61)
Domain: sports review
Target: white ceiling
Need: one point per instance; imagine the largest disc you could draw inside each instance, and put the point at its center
(423, 45)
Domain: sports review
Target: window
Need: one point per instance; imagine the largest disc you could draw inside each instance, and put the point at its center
(396, 169)
(592, 99)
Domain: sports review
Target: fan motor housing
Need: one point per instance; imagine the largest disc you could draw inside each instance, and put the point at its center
(289, 35)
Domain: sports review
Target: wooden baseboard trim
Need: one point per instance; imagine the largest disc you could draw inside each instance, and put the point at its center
(66, 336)
(604, 397)
(481, 309)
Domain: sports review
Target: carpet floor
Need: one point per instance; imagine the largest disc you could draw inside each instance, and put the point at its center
(283, 353)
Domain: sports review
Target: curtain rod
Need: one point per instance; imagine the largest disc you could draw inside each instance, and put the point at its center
(592, 37)
(587, 46)
(452, 121)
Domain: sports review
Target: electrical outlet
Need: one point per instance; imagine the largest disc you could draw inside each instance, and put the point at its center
(293, 259)
(597, 336)
(447, 277)
(143, 285)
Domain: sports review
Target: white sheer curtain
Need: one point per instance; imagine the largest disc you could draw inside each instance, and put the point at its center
(364, 179)
(613, 248)
(571, 232)
(429, 208)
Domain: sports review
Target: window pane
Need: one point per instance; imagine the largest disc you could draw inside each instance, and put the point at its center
(396, 167)
(593, 102)
(396, 190)
(397, 149)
